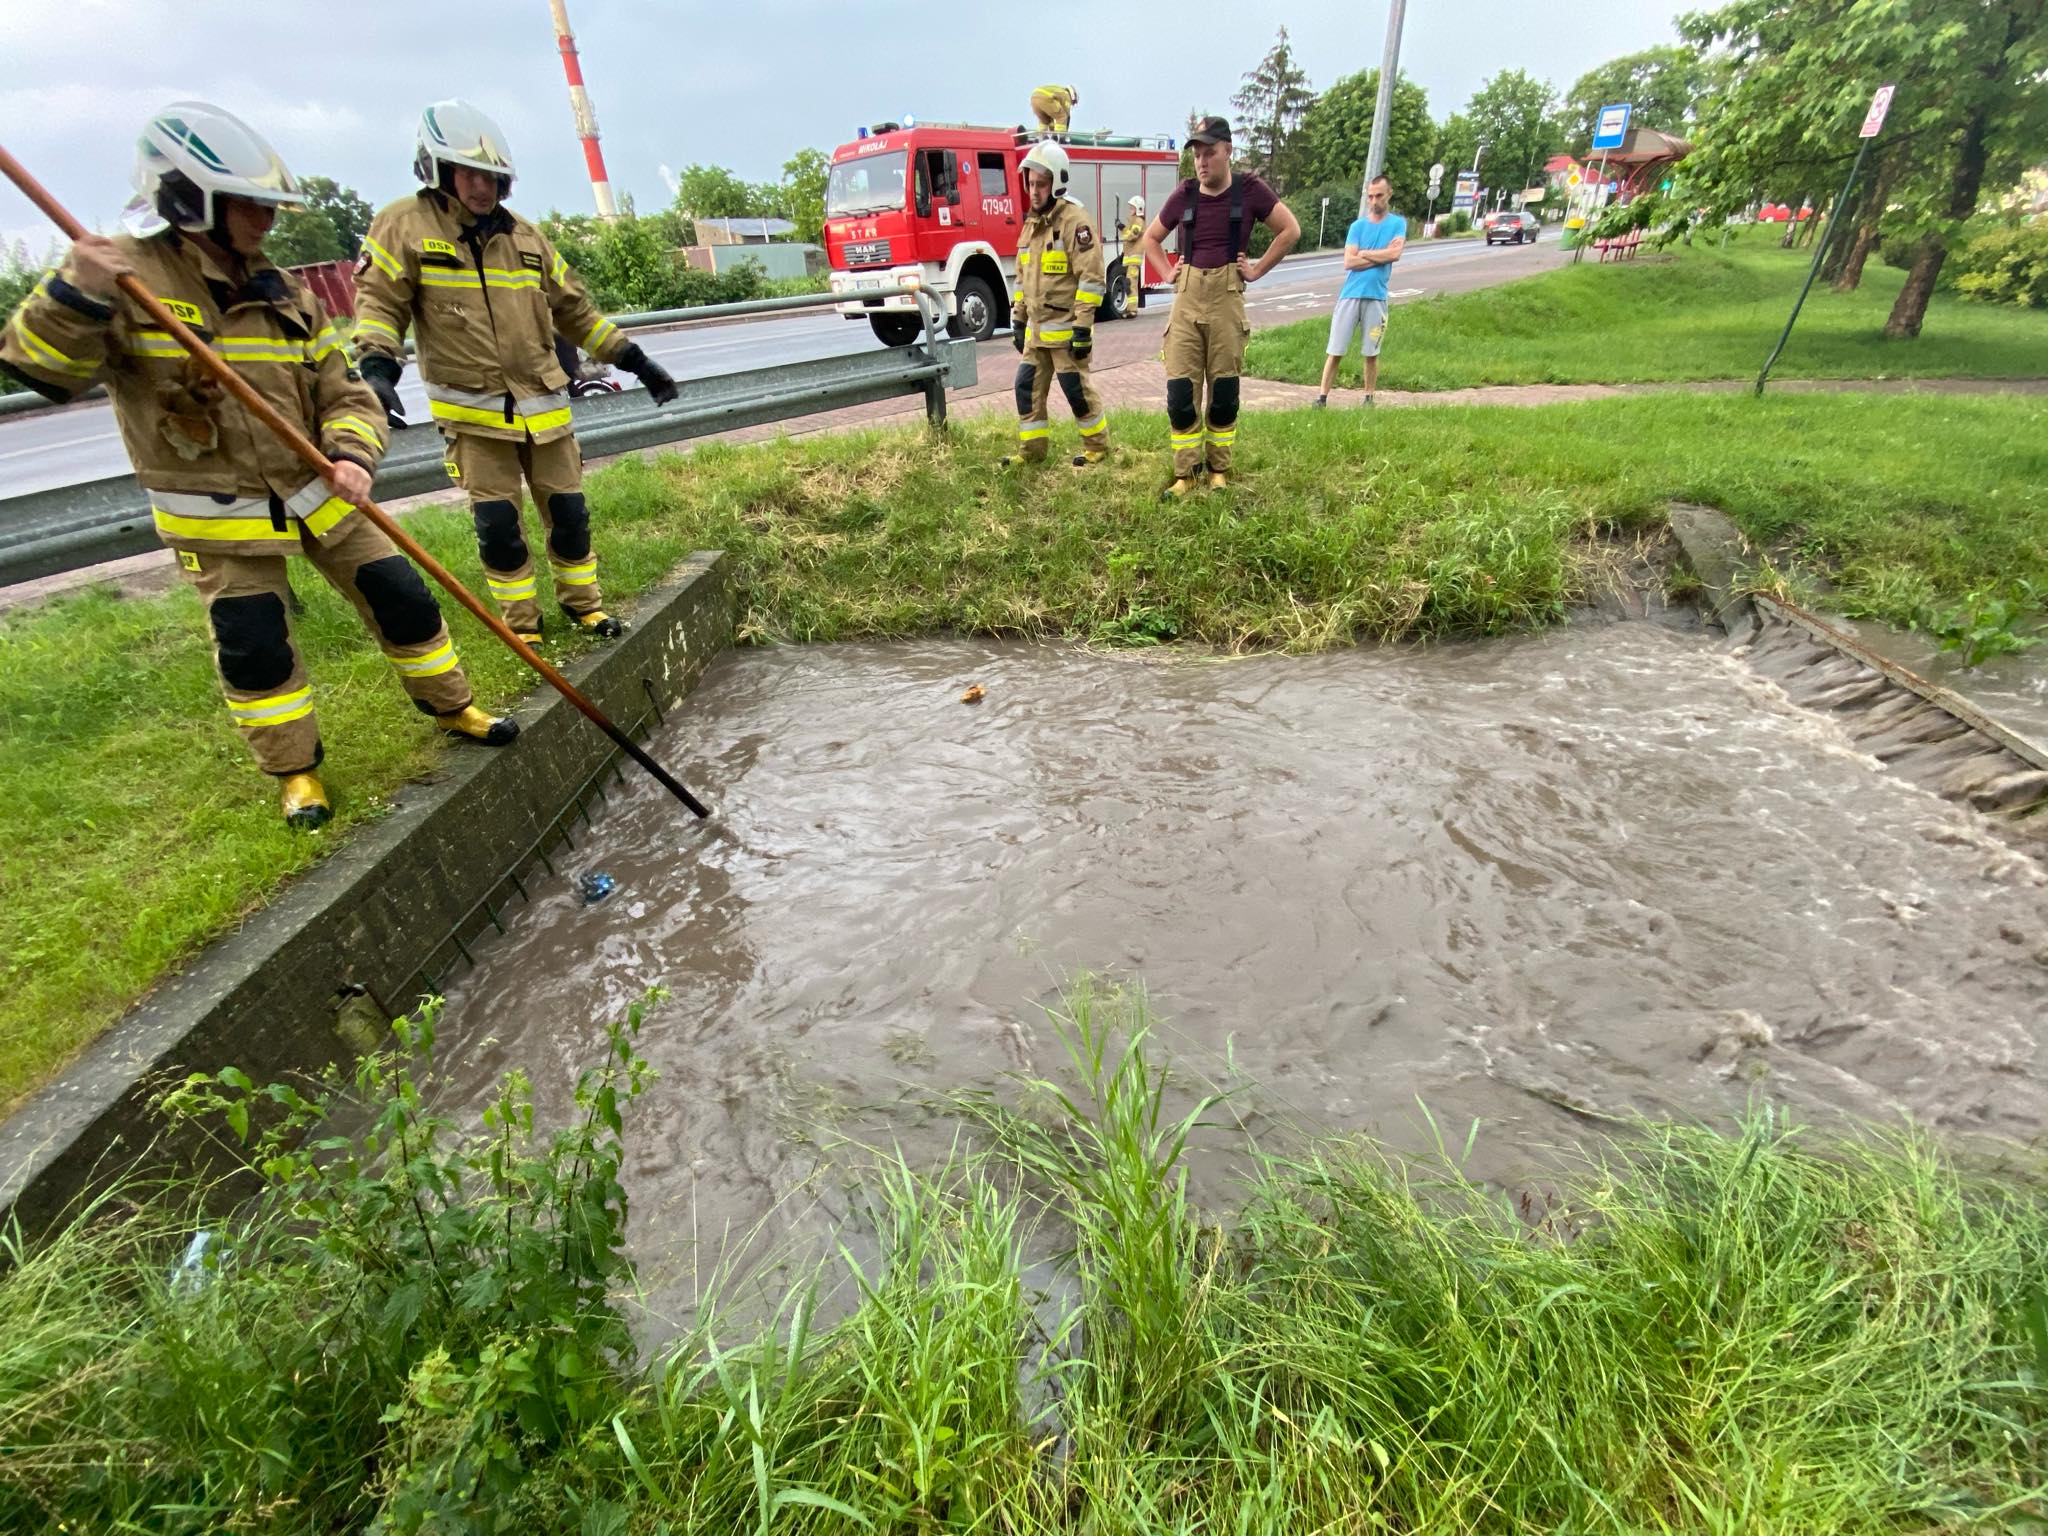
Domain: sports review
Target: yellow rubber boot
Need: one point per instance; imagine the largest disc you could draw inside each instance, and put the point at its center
(599, 623)
(1218, 480)
(477, 726)
(1182, 488)
(1088, 456)
(305, 802)
(530, 636)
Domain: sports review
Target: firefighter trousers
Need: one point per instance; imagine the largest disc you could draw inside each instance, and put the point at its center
(1134, 285)
(1204, 355)
(1035, 375)
(248, 601)
(492, 469)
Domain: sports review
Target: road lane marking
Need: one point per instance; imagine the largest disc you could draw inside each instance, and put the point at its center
(70, 442)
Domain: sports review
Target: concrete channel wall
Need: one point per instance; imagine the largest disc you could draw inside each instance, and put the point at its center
(350, 943)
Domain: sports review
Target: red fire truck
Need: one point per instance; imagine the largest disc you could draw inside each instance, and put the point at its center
(941, 204)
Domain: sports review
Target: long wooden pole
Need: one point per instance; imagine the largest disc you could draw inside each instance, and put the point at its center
(297, 441)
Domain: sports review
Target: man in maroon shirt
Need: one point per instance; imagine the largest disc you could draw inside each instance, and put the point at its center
(1205, 338)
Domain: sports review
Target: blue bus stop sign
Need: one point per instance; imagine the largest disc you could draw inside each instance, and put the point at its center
(1611, 127)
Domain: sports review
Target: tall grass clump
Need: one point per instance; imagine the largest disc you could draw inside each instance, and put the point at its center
(1768, 1329)
(403, 1322)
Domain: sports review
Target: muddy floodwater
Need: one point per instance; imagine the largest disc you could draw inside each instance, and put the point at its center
(1532, 881)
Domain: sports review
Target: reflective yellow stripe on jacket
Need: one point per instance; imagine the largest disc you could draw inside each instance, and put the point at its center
(385, 262)
(498, 277)
(183, 516)
(467, 407)
(240, 349)
(48, 355)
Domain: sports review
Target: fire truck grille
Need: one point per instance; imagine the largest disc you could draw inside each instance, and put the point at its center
(874, 254)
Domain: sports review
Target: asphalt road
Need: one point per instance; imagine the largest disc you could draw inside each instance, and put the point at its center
(43, 449)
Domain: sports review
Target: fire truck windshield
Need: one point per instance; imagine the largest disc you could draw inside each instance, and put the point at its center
(865, 184)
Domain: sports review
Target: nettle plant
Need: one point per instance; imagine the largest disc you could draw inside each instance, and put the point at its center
(478, 1265)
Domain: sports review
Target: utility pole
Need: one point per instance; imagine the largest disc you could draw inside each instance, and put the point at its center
(1383, 109)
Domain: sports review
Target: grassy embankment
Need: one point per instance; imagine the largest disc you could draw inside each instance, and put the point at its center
(1764, 1330)
(134, 829)
(1703, 313)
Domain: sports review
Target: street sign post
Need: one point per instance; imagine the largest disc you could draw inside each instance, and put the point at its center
(1873, 124)
(1436, 187)
(1611, 127)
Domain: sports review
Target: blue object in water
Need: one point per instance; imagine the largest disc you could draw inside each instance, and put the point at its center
(596, 886)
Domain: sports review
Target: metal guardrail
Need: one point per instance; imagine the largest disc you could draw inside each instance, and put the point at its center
(70, 527)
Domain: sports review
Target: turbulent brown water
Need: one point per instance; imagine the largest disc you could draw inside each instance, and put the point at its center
(1603, 869)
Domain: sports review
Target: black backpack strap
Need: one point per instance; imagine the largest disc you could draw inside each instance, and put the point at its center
(1189, 193)
(1237, 235)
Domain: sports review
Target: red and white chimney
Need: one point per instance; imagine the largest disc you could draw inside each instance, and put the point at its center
(586, 120)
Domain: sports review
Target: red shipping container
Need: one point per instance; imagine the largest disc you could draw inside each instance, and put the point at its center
(334, 282)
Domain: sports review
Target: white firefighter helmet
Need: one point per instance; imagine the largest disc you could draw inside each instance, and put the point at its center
(191, 153)
(1048, 157)
(455, 133)
(1138, 207)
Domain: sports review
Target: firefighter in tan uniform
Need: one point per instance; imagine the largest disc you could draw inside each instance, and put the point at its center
(1052, 311)
(226, 494)
(1133, 237)
(1214, 212)
(1053, 106)
(486, 296)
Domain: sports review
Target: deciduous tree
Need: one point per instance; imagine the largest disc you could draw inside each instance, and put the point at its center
(1513, 113)
(803, 185)
(1336, 136)
(1972, 110)
(1663, 85)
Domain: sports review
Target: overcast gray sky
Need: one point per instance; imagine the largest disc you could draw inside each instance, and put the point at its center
(338, 87)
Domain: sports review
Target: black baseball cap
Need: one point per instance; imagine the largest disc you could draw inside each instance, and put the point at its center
(1211, 130)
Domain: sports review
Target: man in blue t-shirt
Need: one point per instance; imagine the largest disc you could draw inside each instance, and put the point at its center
(1370, 251)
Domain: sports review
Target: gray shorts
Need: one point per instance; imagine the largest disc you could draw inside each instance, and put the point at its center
(1368, 316)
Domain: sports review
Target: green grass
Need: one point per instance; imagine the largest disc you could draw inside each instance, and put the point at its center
(1758, 1329)
(1704, 313)
(134, 828)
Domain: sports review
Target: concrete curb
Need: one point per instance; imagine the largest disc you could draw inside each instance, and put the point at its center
(281, 997)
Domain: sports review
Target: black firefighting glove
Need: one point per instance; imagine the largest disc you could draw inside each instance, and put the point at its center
(659, 384)
(1017, 335)
(1083, 342)
(381, 373)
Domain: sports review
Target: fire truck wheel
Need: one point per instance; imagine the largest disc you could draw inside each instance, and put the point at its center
(976, 317)
(896, 330)
(1112, 306)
